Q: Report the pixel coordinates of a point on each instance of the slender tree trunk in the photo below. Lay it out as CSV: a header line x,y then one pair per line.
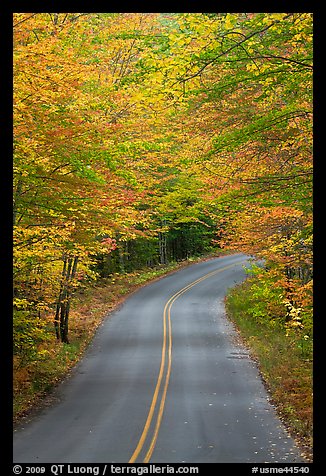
x,y
58,306
65,317
63,305
61,321
162,246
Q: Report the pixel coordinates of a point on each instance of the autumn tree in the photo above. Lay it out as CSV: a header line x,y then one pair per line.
x,y
239,90
139,131
73,188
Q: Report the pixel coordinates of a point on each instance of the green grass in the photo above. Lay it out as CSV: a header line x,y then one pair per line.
x,y
284,360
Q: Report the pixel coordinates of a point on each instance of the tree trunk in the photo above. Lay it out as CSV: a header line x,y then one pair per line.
x,y
61,321
162,248
58,305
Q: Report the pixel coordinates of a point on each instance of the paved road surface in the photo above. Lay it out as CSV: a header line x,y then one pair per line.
x,y
164,381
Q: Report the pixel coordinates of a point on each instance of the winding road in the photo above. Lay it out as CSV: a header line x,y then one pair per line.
x,y
165,380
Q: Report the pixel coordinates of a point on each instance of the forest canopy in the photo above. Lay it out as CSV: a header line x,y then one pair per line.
x,y
144,138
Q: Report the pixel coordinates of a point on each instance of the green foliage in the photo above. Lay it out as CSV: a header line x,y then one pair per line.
x,y
28,333
264,301
268,304
284,355
257,128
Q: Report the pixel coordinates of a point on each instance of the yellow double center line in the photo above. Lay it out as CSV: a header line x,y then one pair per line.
x,y
166,362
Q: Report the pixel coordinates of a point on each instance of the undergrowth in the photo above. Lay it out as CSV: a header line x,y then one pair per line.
x,y
283,353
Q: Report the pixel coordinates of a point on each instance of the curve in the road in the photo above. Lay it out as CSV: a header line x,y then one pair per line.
x,y
128,401
166,361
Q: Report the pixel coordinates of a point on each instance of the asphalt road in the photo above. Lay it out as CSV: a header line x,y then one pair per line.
x,y
165,380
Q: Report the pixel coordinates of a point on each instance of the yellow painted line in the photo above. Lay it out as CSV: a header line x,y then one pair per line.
x,y
166,323
153,404
167,378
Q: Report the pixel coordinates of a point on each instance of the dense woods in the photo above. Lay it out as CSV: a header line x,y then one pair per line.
x,y
146,138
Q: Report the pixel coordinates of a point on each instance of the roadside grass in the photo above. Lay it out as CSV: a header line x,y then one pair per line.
x,y
284,361
33,380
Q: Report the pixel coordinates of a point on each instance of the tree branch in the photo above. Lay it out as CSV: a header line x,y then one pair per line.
x,y
236,45
25,19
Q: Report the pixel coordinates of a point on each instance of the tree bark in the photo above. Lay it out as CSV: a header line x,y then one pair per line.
x,y
162,245
58,305
61,321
